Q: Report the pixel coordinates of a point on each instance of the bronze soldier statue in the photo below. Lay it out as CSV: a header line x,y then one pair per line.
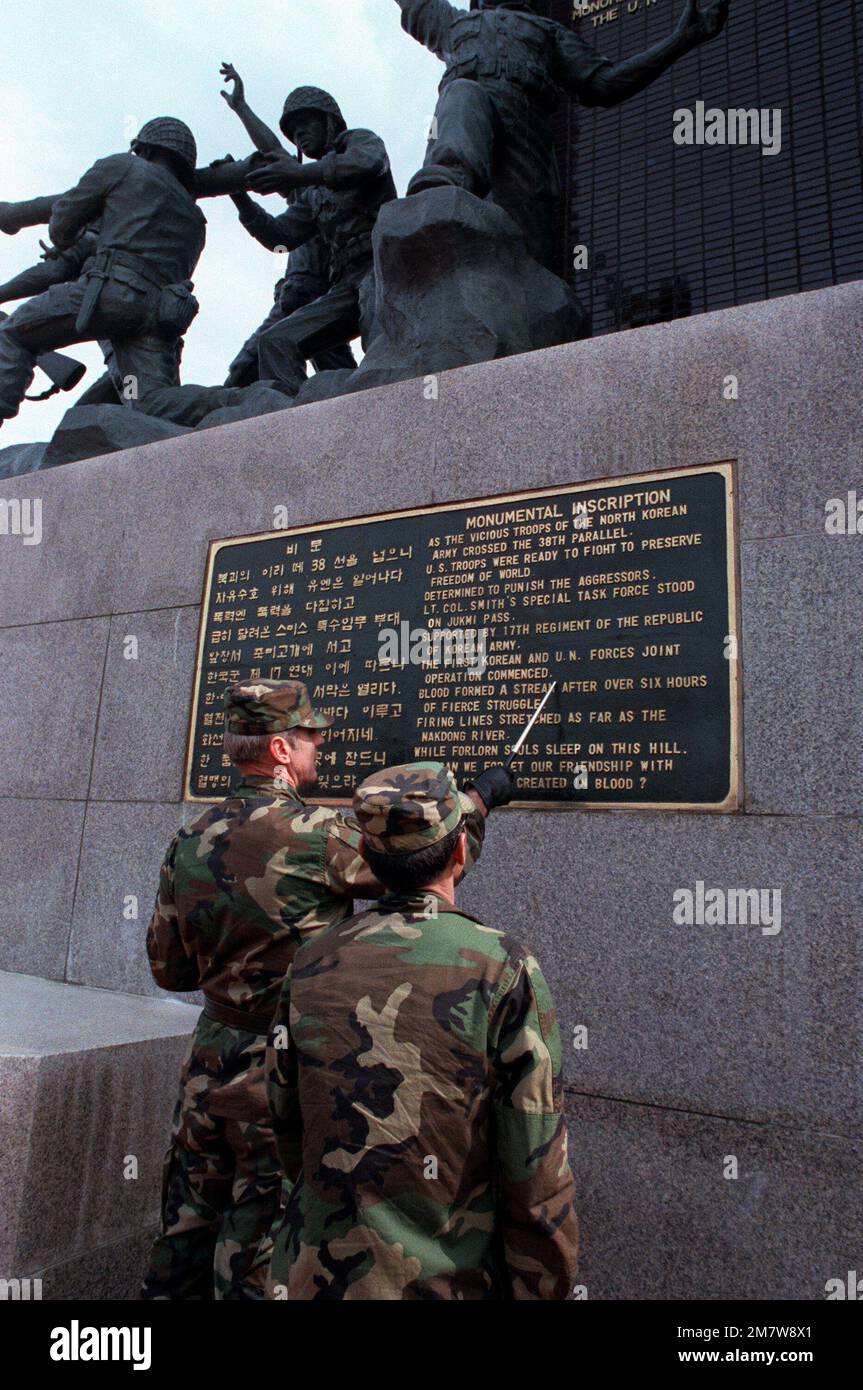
x,y
307,275
135,286
506,70
338,192
134,289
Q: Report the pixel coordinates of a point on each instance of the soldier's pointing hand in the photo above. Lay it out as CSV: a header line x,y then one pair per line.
x,y
699,25
495,785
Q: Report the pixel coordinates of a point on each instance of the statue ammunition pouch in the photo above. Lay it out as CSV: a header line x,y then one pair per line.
x,y
131,300
176,310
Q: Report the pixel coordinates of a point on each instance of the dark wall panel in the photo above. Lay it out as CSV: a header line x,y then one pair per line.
x,y
675,230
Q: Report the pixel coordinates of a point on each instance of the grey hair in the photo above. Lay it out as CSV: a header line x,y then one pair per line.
x,y
253,748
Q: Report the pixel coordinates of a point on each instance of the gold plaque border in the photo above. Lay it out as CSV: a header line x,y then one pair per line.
x,y
727,468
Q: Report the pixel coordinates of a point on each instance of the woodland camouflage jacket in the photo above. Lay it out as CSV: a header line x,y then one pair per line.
x,y
414,1076
251,879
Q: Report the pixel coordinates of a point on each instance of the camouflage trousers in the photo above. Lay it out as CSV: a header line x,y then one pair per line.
x,y
221,1188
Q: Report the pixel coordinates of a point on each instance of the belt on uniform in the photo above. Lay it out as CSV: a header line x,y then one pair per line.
x,y
259,1023
523,75
99,270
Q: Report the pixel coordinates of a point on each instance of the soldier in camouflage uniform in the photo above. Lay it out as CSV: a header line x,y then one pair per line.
x,y
506,70
414,1074
240,889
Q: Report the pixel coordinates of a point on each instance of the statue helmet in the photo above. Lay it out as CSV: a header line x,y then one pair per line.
x,y
311,99
168,133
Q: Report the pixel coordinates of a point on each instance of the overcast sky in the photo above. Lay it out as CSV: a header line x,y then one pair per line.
x,y
80,76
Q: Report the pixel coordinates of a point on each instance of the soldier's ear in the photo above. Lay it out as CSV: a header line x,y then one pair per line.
x,y
280,750
459,853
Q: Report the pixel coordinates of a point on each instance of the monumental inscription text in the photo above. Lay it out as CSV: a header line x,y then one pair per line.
x,y
434,633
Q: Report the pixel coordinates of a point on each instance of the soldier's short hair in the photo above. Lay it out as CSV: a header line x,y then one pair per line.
x,y
254,748
407,873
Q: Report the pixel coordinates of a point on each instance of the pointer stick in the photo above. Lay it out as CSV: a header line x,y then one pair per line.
x,y
523,736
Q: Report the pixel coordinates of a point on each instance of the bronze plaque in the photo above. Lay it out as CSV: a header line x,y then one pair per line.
x,y
435,632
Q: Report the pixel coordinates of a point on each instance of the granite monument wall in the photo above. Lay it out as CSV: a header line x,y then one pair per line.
x,y
704,1042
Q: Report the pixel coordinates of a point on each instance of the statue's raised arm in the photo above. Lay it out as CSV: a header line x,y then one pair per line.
x,y
611,84
429,22
260,134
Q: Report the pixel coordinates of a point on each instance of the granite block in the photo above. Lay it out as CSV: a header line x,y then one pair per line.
x,y
121,854
17,1086
38,863
803,409
332,459
39,1018
659,1220
722,1019
802,664
50,678
143,719
758,1033
653,398
88,1080
108,1273
116,1105
71,574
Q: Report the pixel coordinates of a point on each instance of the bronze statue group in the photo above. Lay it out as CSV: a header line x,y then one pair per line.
x,y
371,1107
125,240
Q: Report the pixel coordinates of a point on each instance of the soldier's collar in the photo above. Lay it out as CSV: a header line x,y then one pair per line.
x,y
423,903
270,787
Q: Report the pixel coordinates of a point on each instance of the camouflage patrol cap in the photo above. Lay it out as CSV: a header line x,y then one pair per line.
x,y
310,99
270,707
404,809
